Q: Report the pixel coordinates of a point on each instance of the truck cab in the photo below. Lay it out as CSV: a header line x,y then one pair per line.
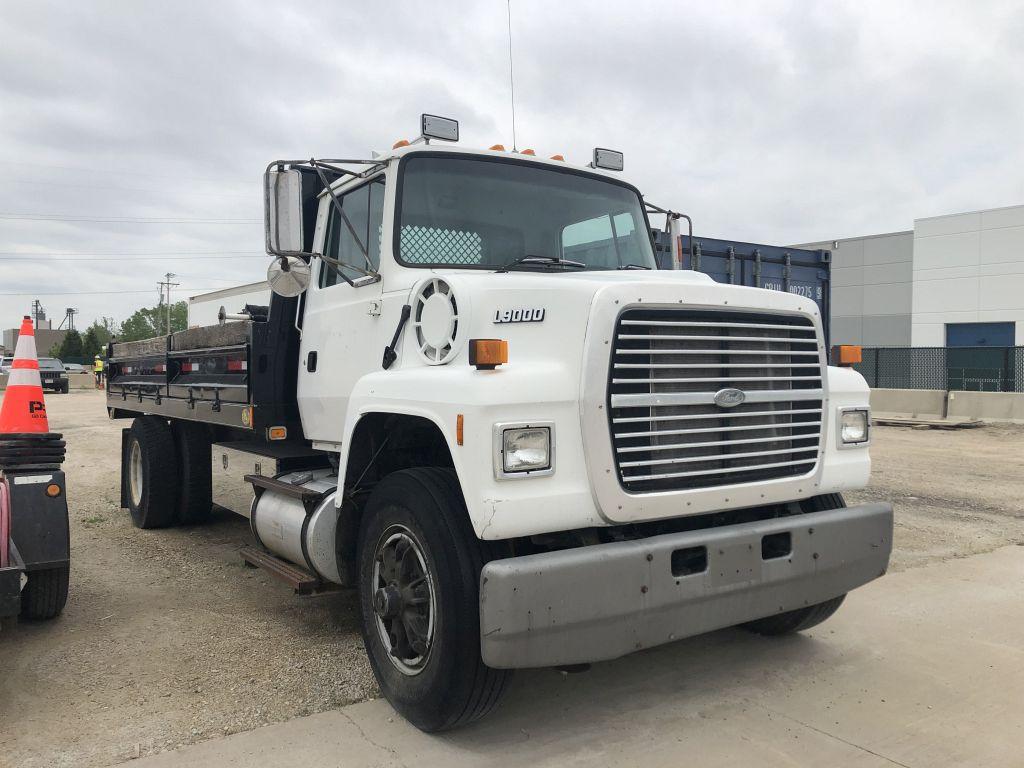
x,y
528,446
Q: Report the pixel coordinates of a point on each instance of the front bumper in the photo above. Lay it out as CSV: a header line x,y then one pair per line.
x,y
603,601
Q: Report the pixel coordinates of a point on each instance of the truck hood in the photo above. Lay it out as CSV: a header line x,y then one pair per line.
x,y
544,315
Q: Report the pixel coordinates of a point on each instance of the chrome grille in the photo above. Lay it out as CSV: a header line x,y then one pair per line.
x,y
666,367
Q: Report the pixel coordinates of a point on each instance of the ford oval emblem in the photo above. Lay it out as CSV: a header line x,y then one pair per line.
x,y
729,397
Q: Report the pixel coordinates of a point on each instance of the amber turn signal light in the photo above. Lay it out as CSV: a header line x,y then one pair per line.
x,y
487,354
277,433
847,354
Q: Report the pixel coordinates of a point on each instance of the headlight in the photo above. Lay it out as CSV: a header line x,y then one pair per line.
x,y
853,426
524,449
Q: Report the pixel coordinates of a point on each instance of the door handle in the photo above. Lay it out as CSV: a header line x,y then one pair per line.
x,y
311,362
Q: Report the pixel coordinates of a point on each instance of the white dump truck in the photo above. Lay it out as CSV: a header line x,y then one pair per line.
x,y
474,400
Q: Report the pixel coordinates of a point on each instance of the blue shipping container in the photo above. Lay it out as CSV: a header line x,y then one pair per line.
x,y
796,270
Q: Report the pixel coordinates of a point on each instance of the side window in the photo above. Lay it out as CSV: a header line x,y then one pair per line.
x,y
354,233
591,242
627,237
604,242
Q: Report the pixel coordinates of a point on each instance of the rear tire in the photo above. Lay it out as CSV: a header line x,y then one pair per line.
x,y
802,618
151,473
192,441
419,575
45,593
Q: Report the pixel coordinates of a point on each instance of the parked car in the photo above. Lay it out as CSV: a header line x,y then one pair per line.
x,y
75,368
5,364
53,375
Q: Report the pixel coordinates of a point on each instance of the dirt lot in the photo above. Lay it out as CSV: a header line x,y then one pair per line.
x,y
167,639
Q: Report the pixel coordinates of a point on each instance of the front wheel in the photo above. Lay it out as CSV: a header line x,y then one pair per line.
x,y
795,621
810,616
419,573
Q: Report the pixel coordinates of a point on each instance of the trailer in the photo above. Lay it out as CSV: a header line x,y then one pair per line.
x,y
34,533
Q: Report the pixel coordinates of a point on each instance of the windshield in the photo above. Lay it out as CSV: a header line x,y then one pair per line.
x,y
50,364
480,213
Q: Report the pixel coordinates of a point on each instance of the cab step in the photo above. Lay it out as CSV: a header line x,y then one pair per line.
x,y
298,578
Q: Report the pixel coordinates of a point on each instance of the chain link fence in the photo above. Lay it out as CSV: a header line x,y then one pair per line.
x,y
972,369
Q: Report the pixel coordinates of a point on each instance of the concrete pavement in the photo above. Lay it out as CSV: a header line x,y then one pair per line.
x,y
920,668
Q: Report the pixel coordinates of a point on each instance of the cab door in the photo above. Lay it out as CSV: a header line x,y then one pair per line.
x,y
340,324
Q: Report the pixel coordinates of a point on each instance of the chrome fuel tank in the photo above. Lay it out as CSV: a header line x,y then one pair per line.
x,y
282,524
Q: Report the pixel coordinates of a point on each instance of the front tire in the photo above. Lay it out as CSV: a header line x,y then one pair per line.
x,y
795,621
810,616
419,574
151,473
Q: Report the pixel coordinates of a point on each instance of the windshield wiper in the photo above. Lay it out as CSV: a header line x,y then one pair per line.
x,y
632,266
544,261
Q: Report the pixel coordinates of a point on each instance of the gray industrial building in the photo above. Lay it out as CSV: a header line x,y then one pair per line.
x,y
46,339
872,288
955,280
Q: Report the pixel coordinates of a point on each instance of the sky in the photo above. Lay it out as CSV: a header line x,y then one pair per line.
x,y
133,136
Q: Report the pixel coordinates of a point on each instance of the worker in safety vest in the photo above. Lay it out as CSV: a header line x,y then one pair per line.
x,y
97,369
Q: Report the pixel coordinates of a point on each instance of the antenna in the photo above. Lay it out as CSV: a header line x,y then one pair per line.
x,y
511,79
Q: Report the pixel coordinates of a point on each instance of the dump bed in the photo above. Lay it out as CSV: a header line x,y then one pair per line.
x,y
239,374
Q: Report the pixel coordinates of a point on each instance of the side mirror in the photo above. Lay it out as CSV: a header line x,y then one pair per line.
x,y
289,208
288,276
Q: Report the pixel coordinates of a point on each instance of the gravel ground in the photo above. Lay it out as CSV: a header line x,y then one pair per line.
x,y
168,640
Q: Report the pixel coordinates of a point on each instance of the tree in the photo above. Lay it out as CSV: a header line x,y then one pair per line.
x,y
91,345
71,346
96,336
152,321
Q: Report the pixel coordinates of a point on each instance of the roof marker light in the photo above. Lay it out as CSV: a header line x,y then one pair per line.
x,y
437,127
608,159
559,158
400,143
498,148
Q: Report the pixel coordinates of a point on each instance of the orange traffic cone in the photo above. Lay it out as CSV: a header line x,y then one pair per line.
x,y
23,409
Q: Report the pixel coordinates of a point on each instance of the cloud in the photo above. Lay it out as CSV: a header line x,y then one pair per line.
x,y
776,122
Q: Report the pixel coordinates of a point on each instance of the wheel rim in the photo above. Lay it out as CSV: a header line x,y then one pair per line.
x,y
404,604
135,474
